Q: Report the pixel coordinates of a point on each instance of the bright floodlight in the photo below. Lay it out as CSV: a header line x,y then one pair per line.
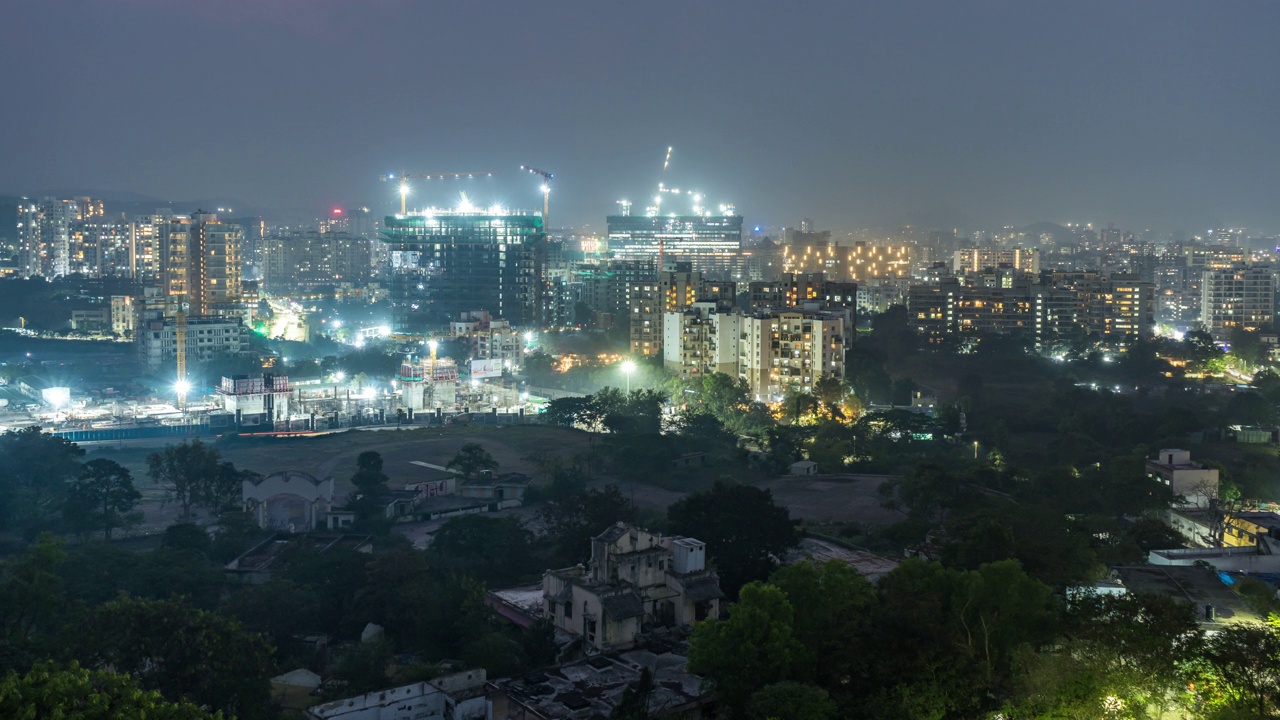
x,y
339,376
433,345
182,387
528,337
404,189
628,367
545,188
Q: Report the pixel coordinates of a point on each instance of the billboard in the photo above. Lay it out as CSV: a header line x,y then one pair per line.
x,y
481,369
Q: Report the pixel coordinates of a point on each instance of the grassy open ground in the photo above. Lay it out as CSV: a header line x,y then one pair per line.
x,y
839,499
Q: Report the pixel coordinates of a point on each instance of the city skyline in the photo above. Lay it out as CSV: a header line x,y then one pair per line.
x,y
1145,115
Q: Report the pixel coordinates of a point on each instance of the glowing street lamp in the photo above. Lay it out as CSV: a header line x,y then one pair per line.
x,y
628,367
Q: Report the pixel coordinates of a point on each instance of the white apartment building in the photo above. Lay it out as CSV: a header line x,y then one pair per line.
x,y
1237,297
701,340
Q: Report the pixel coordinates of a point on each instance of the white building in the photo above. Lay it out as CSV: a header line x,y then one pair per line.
x,y
1237,297
207,337
635,578
701,339
1196,482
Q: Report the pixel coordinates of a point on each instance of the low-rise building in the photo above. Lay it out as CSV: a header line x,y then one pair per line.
x,y
1196,483
635,578
459,696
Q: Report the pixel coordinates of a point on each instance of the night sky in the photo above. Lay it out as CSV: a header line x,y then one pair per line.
x,y
1145,114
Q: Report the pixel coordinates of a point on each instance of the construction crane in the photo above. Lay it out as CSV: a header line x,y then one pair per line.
x,y
180,336
545,188
404,179
539,259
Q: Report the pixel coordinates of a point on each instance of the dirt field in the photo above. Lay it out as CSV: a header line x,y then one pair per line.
x,y
832,498
847,498
336,455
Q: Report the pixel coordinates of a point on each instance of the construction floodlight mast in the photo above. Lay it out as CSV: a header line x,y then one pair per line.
x,y
403,178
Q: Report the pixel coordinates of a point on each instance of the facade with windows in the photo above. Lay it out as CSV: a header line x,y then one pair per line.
x,y
446,263
711,243
790,350
208,337
635,579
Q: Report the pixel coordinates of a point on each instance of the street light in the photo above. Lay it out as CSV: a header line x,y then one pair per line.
x,y
628,367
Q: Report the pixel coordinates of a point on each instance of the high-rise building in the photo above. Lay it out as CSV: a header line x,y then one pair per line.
x,y
789,350
307,259
1237,297
672,291
712,244
45,231
198,258
702,338
448,262
979,259
214,266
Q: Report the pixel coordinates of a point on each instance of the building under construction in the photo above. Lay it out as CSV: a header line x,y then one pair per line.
x,y
712,244
256,399
448,262
428,383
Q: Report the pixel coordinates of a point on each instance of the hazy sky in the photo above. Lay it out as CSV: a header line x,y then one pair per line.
x,y
1161,114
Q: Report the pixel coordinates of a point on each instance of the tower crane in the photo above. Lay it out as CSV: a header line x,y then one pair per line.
x,y
404,179
545,188
180,337
539,258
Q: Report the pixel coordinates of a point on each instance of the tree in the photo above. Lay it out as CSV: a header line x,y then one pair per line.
x,y
1246,657
571,412
957,631
280,609
790,700
36,469
31,593
182,652
834,627
493,550
227,487
370,483
569,524
76,693
101,497
745,532
471,460
754,648
185,471
1142,639
704,431
903,390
